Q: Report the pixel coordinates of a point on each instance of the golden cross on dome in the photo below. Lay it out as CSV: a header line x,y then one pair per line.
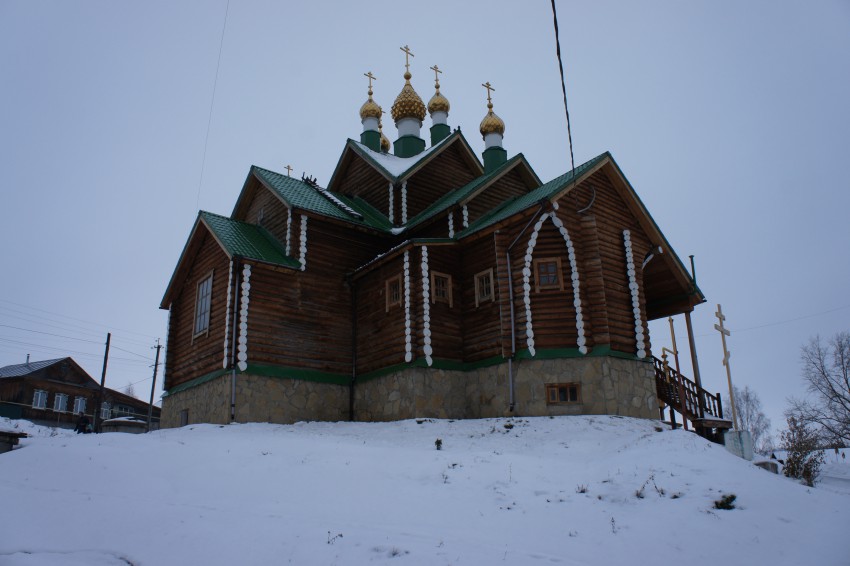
x,y
437,72
371,78
489,88
288,170
407,56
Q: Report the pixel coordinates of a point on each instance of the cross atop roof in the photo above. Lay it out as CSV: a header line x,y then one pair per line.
x,y
407,56
489,88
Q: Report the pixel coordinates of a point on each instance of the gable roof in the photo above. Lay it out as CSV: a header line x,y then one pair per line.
x,y
20,370
458,196
235,238
520,203
398,169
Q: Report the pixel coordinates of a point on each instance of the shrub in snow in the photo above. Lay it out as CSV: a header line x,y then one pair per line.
x,y
804,458
726,502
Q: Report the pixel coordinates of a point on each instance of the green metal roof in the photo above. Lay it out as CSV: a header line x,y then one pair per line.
x,y
247,240
453,197
518,204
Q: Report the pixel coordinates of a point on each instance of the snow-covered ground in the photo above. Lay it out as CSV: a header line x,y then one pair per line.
x,y
567,490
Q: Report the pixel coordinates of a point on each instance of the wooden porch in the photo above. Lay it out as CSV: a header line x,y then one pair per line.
x,y
695,404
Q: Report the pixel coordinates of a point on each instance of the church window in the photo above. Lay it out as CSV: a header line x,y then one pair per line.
x,y
79,405
441,288
484,286
393,292
547,273
563,393
60,403
39,399
202,306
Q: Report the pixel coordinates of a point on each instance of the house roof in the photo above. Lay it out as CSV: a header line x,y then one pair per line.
x,y
520,203
20,370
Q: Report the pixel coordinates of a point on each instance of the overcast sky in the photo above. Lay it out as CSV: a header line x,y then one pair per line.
x,y
730,119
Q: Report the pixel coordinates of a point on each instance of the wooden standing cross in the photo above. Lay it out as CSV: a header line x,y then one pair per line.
x,y
407,56
288,171
489,88
724,332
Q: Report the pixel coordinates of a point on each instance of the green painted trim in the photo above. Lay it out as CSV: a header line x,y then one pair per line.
x,y
371,139
299,373
439,132
195,382
452,365
494,157
408,146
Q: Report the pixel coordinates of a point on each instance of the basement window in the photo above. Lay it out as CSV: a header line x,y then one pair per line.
x,y
184,417
484,286
547,274
441,288
393,292
563,393
202,306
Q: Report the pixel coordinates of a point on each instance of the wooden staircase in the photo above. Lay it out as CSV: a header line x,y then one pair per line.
x,y
692,402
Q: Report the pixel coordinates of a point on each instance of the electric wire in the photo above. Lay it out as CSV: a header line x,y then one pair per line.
x,y
76,319
212,104
563,89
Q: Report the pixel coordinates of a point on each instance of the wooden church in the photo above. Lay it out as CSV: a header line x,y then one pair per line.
x,y
423,282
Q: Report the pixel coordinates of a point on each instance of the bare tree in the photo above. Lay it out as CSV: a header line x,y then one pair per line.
x,y
130,390
826,371
752,418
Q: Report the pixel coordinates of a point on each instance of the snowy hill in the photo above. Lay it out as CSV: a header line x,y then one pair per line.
x,y
569,490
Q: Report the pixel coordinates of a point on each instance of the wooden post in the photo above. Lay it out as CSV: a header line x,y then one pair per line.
x,y
153,385
724,332
695,363
102,382
675,349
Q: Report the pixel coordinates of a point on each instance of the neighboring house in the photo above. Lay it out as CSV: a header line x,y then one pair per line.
x,y
55,392
422,283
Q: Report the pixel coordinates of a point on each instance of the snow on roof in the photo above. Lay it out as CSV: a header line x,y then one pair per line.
x,y
394,165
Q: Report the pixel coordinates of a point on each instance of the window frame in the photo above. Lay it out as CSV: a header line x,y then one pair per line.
x,y
60,402
558,285
207,305
553,393
478,287
105,411
39,399
388,288
77,409
438,299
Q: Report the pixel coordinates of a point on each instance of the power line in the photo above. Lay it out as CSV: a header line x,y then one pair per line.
x,y
563,87
51,334
77,319
779,322
67,351
212,103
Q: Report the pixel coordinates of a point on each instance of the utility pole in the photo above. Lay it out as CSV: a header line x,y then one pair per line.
x,y
153,385
102,382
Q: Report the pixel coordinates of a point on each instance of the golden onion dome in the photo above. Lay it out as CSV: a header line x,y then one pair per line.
x,y
492,124
385,143
438,103
408,104
370,108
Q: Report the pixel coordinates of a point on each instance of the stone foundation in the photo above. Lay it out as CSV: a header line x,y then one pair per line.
x,y
609,386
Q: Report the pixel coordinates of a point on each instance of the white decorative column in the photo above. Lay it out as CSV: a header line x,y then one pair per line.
x,y
426,308
465,217
303,249
404,203
288,231
390,214
635,290
451,225
227,316
408,346
242,348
